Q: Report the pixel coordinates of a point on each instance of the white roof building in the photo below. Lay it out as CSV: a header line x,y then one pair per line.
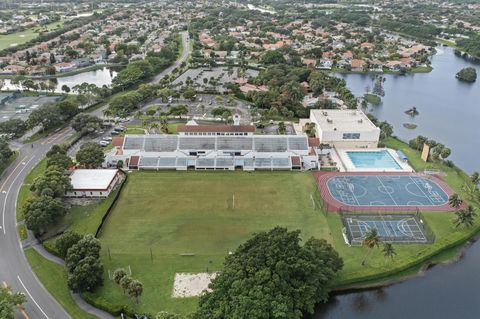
x,y
345,128
93,182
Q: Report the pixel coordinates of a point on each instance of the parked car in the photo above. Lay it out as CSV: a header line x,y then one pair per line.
x,y
103,143
107,138
114,132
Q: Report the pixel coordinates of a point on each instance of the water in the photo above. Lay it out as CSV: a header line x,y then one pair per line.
x,y
98,77
445,291
450,113
373,159
449,110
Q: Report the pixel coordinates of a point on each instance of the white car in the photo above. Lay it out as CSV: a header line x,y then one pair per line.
x,y
107,138
103,143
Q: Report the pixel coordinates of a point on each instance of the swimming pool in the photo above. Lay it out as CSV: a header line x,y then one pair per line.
x,y
380,159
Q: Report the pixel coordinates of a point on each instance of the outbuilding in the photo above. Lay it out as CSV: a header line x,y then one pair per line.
x,y
93,182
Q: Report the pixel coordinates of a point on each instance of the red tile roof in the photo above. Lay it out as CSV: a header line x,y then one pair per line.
x,y
215,128
117,141
134,160
313,142
296,161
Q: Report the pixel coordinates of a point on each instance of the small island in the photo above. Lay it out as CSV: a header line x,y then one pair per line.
x,y
467,74
412,111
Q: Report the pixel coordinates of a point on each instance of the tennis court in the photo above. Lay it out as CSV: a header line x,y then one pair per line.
x,y
399,229
383,192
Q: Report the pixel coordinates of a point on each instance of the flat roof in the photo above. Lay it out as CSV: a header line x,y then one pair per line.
x,y
92,179
343,120
216,128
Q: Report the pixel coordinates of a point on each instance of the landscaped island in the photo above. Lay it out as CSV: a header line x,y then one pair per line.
x,y
467,74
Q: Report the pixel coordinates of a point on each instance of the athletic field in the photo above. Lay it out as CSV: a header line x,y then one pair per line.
x,y
170,222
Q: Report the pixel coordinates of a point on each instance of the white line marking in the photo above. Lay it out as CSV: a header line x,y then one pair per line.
x,y
8,191
31,297
385,187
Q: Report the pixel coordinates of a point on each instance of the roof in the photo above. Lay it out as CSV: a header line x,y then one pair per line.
x,y
134,160
296,161
92,179
216,128
117,141
313,142
343,120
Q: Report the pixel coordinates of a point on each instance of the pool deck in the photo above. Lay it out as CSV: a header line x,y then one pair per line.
x,y
331,204
344,163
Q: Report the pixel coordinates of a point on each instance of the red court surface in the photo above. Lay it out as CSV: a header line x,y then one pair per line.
x,y
382,192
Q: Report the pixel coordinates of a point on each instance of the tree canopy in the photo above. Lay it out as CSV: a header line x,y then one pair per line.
x,y
90,155
272,276
9,301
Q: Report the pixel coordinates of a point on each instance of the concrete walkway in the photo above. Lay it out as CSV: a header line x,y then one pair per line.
x,y
85,306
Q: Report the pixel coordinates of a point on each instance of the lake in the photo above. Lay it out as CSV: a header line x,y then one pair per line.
x,y
449,110
98,77
449,113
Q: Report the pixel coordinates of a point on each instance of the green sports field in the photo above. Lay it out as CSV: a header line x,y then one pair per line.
x,y
205,214
21,37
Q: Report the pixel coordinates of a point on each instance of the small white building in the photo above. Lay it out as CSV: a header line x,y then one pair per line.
x,y
345,128
93,182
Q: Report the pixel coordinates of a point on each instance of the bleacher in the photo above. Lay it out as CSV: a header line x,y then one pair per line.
x,y
270,144
196,143
161,143
234,143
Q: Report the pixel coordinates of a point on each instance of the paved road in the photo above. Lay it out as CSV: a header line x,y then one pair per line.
x,y
14,268
183,58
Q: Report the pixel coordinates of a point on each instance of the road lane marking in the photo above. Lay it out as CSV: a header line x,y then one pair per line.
x,y
19,306
8,177
31,297
6,196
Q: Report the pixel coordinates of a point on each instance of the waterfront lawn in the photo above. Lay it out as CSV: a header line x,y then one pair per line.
x,y
54,278
174,213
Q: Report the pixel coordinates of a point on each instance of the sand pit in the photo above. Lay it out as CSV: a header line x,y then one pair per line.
x,y
191,285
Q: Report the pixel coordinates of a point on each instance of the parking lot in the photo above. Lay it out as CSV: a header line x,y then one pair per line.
x,y
202,107
202,78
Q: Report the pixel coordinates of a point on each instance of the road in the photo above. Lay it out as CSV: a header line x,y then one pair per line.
x,y
14,268
183,58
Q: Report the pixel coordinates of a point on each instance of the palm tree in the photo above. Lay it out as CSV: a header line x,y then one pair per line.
x,y
370,241
388,251
470,189
154,127
465,217
455,201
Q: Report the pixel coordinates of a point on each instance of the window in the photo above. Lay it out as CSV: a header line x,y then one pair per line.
x,y
351,136
100,193
91,193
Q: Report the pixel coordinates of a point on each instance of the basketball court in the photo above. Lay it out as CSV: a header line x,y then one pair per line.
x,y
393,228
382,192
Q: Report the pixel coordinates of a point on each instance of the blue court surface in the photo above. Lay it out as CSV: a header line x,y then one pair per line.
x,y
390,228
386,190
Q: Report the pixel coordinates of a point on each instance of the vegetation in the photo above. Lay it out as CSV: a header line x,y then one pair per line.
x,y
9,301
54,278
467,74
373,99
90,155
288,279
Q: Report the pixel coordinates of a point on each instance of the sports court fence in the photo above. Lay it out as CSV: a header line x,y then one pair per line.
x,y
429,235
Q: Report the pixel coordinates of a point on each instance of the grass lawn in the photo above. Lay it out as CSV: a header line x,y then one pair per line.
x,y
193,212
24,192
54,278
8,40
373,99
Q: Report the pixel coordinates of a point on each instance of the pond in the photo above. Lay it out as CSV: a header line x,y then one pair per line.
x,y
98,77
449,110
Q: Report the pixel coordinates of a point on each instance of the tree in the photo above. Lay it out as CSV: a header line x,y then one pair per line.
x,y
5,152
388,251
465,217
17,127
475,178
125,283
281,128
272,276
273,57
65,241
370,241
455,201
85,123
9,301
467,74
41,212
189,94
52,183
87,275
118,274
61,161
90,155
88,246
135,289
57,149
65,88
